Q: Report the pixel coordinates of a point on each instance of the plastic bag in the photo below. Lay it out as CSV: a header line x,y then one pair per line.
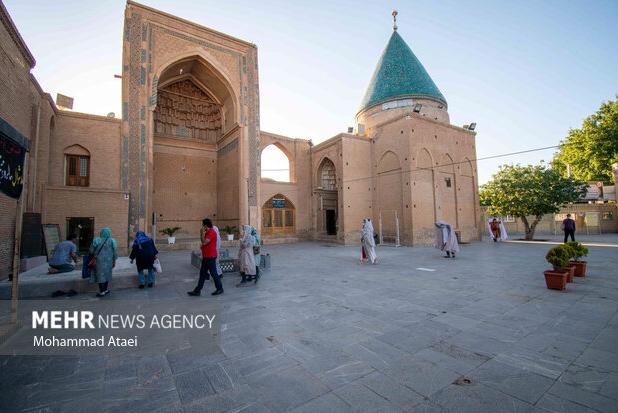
x,y
157,266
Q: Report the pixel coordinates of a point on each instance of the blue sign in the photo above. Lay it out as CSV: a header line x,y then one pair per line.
x,y
278,203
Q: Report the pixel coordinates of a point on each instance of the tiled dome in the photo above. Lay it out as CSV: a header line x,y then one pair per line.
x,y
399,74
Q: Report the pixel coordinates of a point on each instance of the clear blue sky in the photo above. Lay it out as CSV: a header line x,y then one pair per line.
x,y
525,71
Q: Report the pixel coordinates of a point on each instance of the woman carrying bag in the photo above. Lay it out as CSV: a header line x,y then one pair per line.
x,y
104,254
145,254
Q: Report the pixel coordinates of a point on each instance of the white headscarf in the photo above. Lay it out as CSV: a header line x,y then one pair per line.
x,y
247,238
218,238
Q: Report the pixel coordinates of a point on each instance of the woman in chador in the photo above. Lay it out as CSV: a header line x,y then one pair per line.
x,y
144,253
446,240
368,243
246,256
105,251
256,252
497,232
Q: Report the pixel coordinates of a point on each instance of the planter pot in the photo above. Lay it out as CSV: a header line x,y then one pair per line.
x,y
580,268
570,272
230,237
171,240
556,280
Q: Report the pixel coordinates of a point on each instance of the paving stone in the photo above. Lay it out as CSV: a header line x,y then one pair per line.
x,y
589,379
512,380
242,398
421,376
554,404
592,400
451,357
287,389
392,391
326,403
364,400
606,341
602,360
477,398
193,385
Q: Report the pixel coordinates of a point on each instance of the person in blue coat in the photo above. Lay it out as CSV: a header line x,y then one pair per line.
x,y
144,253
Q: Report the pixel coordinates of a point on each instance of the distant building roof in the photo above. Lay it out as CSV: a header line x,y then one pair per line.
x,y
399,74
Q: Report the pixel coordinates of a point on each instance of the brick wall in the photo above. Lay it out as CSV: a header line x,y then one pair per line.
x,y
99,135
109,208
16,102
185,188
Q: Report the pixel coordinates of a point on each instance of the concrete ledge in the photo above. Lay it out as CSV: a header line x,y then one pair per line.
x,y
37,283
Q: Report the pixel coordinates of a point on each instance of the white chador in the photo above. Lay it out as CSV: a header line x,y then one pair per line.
x,y
496,230
446,239
368,244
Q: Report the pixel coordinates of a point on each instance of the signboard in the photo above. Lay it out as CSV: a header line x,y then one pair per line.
x,y
592,219
51,234
12,158
64,101
278,203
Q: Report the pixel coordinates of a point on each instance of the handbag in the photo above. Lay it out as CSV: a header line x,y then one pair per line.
x,y
92,260
256,249
85,268
156,264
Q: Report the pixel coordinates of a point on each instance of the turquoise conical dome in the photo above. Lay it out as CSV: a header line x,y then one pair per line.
x,y
399,74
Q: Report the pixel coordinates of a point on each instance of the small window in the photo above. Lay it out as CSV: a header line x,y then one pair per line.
x,y
448,182
78,170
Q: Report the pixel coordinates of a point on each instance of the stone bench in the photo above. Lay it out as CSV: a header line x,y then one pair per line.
x,y
227,263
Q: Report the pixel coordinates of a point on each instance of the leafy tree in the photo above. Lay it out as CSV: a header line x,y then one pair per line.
x,y
529,191
593,149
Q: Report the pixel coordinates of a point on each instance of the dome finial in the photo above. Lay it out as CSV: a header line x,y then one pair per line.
x,y
395,20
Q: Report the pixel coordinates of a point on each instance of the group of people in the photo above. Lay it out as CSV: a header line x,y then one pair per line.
x,y
446,241
103,254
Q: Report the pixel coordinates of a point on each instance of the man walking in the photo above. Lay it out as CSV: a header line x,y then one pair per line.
x,y
209,260
568,226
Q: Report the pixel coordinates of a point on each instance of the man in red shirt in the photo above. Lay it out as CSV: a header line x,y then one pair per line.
x,y
209,260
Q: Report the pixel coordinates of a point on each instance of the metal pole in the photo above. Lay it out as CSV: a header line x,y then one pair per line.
x,y
17,241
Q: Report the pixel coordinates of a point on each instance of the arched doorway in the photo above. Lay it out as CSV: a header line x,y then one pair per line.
x,y
278,216
328,197
275,164
194,110
390,198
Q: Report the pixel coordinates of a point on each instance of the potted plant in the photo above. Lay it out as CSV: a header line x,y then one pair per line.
x,y
170,231
579,251
229,230
558,257
570,267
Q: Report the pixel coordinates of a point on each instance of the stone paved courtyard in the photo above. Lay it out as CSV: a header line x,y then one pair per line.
x,y
321,333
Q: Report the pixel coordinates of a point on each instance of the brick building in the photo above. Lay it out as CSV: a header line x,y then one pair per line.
x,y
189,144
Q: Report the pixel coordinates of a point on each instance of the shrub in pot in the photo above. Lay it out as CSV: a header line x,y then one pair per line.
x,y
230,230
570,266
558,257
580,251
170,232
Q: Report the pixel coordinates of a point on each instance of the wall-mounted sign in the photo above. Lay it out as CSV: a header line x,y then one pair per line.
x,y
278,203
12,158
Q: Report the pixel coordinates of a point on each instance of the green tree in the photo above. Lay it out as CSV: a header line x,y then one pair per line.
x,y
529,191
593,149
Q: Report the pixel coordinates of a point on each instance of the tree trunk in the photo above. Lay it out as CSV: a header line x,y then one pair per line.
x,y
530,228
